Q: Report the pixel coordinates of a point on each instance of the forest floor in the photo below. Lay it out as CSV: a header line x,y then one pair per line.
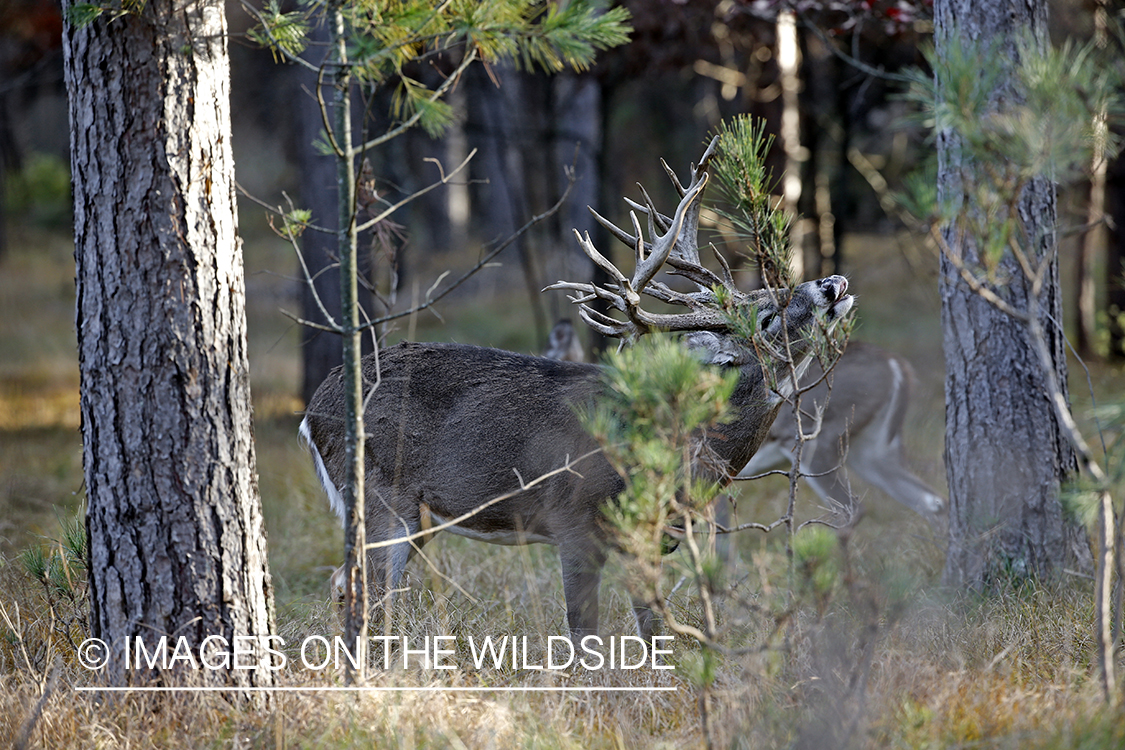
x,y
889,659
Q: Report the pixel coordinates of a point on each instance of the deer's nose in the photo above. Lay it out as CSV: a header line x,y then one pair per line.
x,y
833,287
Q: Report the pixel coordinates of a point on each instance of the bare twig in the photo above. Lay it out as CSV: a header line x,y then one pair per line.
x,y
432,299
567,467
438,93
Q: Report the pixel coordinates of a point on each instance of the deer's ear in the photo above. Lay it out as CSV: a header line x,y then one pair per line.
x,y
714,349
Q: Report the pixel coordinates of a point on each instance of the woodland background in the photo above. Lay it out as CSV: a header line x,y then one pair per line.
x,y
986,673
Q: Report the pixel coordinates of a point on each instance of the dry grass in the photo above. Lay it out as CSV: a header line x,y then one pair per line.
x,y
1007,672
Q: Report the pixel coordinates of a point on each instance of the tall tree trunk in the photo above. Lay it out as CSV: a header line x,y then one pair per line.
x,y
320,351
499,125
177,542
788,68
1115,256
1005,457
577,124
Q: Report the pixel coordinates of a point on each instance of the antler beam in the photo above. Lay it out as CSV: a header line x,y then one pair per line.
x,y
675,244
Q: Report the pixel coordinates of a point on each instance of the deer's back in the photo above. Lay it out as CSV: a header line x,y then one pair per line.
x,y
457,425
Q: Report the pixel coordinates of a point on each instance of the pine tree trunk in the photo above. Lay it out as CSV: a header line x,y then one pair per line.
x,y
320,350
576,125
176,537
1005,457
500,124
1115,256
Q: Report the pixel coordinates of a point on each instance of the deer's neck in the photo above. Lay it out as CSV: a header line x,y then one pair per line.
x,y
753,408
755,405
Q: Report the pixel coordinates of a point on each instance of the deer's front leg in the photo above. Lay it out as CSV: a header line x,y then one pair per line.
x,y
582,573
648,622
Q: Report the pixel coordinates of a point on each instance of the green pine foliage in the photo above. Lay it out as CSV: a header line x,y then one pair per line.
x,y
659,396
749,190
287,31
386,40
1046,123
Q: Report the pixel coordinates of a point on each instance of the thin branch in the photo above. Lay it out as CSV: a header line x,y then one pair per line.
x,y
310,324
324,118
771,472
445,178
974,284
276,210
433,300
439,92
849,59
310,280
567,467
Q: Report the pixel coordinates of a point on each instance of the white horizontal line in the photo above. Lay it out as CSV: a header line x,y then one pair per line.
x,y
360,689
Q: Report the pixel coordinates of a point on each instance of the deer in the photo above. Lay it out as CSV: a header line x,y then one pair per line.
x,y
489,443
861,406
563,343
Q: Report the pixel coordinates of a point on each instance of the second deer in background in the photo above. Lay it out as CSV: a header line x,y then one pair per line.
x,y
861,429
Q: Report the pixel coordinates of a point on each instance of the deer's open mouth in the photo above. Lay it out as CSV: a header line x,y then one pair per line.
x,y
841,307
835,290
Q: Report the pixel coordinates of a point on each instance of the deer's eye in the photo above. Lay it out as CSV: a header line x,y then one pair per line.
x,y
767,321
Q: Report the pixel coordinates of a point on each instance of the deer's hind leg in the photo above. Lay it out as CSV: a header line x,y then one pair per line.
x,y
389,516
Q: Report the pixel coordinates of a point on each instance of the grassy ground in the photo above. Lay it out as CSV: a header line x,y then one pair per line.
x,y
883,660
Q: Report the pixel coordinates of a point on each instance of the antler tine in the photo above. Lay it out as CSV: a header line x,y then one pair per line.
x,y
701,276
613,229
639,322
663,245
588,292
673,240
675,179
665,220
593,254
613,329
639,246
696,169
658,223
664,293
705,160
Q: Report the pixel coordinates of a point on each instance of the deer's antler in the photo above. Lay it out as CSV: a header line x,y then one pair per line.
x,y
675,243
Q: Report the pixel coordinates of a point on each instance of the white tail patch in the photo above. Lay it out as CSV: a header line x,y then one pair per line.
x,y
935,502
335,499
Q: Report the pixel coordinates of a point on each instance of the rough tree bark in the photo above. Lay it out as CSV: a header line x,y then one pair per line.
x,y
1004,454
177,543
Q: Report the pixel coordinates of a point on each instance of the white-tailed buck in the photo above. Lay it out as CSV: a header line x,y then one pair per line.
x,y
860,430
451,427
